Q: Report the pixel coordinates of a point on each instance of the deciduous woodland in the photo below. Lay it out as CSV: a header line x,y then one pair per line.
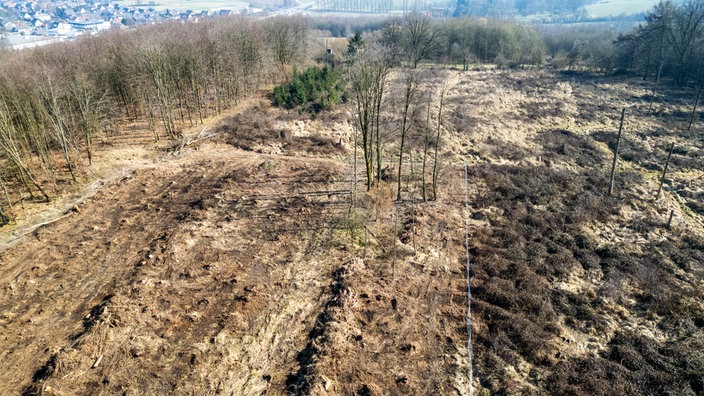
x,y
282,211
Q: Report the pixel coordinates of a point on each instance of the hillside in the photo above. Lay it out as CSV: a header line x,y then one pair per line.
x,y
235,265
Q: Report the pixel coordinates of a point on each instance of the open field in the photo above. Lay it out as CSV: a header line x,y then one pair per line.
x,y
235,264
195,5
617,7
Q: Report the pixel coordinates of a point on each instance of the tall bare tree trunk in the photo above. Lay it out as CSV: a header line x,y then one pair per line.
x,y
426,144
406,123
436,163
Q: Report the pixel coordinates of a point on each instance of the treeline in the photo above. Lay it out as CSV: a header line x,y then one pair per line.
x,y
669,43
461,40
503,8
398,115
466,41
57,99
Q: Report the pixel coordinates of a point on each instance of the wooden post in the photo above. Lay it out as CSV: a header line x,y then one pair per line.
x,y
655,90
354,170
618,143
694,109
664,171
669,221
469,288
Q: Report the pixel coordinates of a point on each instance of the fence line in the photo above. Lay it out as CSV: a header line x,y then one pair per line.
x,y
469,289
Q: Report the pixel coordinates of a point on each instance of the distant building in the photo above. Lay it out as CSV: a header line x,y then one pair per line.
x,y
61,28
90,26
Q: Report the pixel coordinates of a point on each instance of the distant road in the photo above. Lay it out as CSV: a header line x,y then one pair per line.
x,y
299,9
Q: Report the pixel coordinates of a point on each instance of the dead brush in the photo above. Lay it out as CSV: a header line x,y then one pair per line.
x,y
380,200
191,140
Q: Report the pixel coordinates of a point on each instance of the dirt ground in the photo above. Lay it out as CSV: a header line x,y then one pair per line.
x,y
236,266
212,271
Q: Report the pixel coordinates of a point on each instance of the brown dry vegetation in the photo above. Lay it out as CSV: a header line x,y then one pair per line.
x,y
577,292
239,268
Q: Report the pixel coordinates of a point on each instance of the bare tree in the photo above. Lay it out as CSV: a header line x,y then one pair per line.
x,y
286,38
426,146
155,66
90,107
418,40
10,144
683,38
407,115
436,160
56,114
367,73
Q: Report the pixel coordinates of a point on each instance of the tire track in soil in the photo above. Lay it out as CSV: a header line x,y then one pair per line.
x,y
301,382
97,273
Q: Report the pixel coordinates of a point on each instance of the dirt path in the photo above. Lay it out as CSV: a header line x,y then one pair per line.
x,y
53,211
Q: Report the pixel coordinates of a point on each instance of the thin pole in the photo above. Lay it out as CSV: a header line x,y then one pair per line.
x,y
413,211
664,171
694,109
469,289
618,143
669,220
354,176
655,90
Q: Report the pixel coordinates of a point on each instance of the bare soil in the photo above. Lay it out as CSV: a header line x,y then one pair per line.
x,y
235,265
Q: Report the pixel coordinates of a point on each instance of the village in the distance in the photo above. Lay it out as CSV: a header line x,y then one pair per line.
x,y
33,23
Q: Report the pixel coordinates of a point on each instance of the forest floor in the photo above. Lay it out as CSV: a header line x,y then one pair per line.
x,y
235,264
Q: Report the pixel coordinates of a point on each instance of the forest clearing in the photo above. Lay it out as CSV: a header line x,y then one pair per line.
x,y
249,276
197,213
